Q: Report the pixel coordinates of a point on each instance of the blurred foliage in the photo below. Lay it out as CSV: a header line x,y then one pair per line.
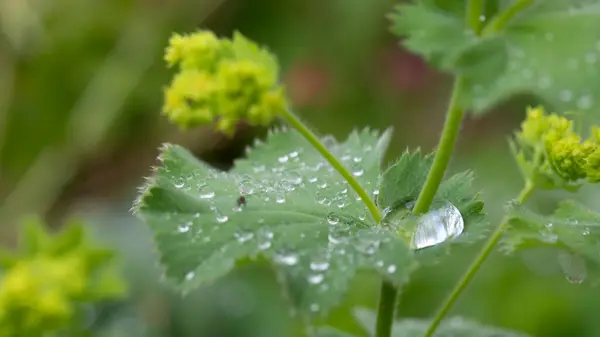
x,y
81,88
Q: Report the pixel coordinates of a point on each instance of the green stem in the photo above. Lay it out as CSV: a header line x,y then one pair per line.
x,y
474,13
443,153
498,23
316,143
474,268
454,115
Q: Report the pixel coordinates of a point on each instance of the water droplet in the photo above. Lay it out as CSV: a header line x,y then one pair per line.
x,y
293,154
189,276
357,159
573,266
358,173
179,184
283,159
391,269
362,217
287,259
319,265
379,263
565,95
314,307
184,228
280,199
222,218
586,232
323,185
264,245
316,278
438,225
376,192
207,195
312,179
482,18
584,102
243,237
346,157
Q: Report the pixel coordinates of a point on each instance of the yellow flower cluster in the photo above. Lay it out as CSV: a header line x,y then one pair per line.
x,y
221,80
40,287
558,148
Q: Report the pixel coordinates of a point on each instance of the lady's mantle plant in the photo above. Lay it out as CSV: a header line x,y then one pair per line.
x,y
45,286
320,210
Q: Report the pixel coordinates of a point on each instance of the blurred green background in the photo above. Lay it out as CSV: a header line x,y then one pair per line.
x,y
80,97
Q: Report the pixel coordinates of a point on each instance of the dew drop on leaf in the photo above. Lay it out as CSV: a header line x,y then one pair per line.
x,y
316,278
319,265
314,307
280,198
573,266
358,173
437,226
283,159
243,237
207,195
189,276
391,269
222,218
184,228
332,219
289,259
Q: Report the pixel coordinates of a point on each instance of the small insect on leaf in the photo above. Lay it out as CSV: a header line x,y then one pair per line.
x,y
241,201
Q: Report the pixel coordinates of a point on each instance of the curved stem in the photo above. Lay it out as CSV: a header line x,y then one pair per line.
x,y
474,268
443,153
316,143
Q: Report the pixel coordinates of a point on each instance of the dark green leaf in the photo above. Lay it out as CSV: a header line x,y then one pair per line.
x,y
297,212
551,49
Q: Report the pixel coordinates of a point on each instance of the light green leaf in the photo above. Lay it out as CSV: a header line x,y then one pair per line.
x,y
573,230
451,327
551,49
298,213
399,186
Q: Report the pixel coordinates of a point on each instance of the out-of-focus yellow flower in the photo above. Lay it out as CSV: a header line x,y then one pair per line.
x,y
549,148
40,290
222,81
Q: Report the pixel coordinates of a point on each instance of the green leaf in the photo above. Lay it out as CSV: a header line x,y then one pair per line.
x,y
451,327
573,230
550,49
400,185
297,212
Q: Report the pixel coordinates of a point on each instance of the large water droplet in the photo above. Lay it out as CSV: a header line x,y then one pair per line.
x,y
179,184
222,218
316,278
289,259
283,159
437,226
391,269
573,266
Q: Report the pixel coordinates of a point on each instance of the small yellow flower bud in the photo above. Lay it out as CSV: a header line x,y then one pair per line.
x,y
221,81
